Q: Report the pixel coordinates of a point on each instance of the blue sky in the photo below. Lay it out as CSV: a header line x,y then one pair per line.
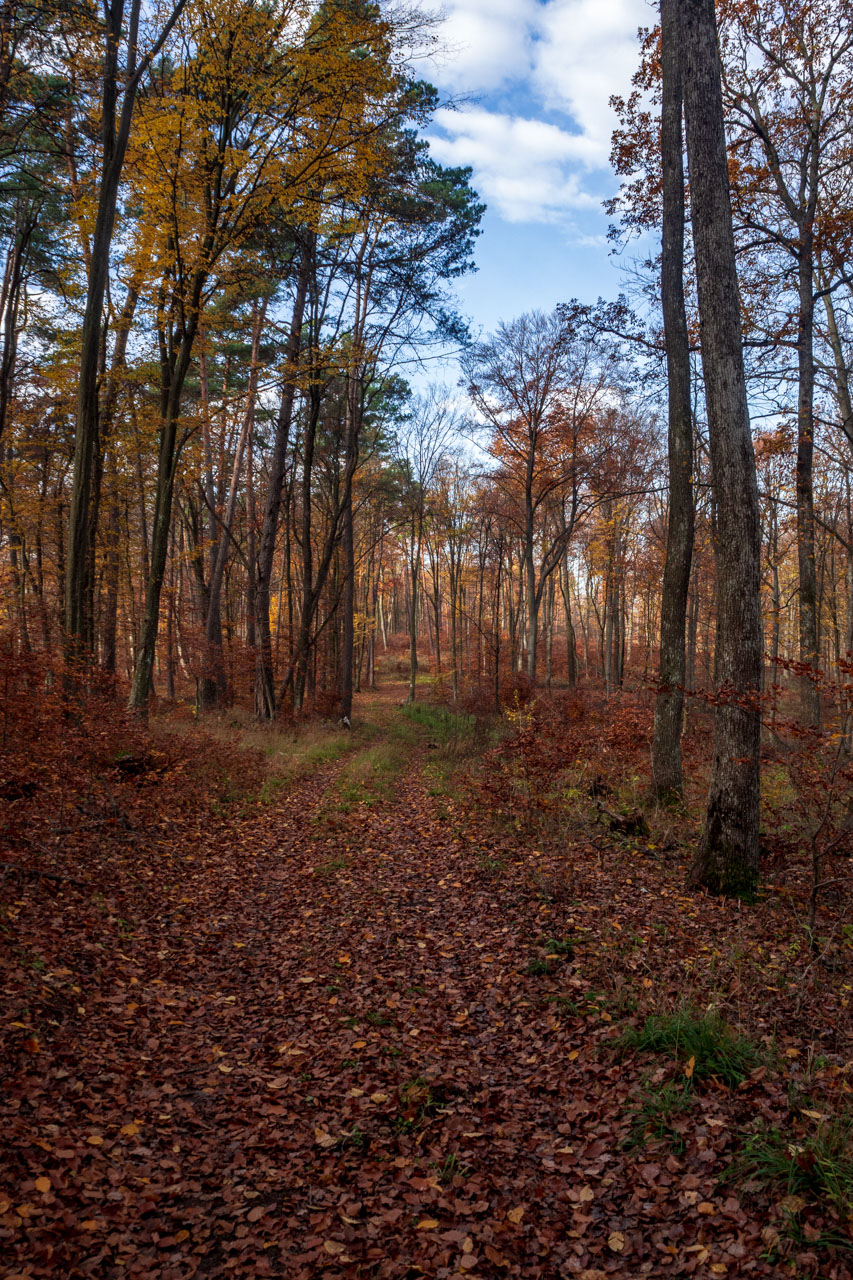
x,y
532,79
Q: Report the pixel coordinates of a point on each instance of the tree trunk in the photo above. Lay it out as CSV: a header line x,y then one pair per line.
x,y
809,638
728,856
169,454
415,570
530,585
213,685
264,680
669,707
115,134
348,541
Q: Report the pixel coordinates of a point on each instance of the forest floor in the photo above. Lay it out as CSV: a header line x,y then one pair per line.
x,y
302,1007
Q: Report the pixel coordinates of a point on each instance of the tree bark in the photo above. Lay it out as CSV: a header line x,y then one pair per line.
x,y
669,707
728,856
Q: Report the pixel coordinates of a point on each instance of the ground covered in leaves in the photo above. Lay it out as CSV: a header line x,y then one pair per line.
x,y
312,1009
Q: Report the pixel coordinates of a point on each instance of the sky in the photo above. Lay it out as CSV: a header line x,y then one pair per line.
x,y
530,81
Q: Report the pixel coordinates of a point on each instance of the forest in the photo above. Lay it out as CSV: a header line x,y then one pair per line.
x,y
426,748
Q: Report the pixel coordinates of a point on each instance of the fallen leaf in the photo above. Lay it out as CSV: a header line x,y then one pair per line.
x,y
43,1184
515,1215
616,1241
427,1224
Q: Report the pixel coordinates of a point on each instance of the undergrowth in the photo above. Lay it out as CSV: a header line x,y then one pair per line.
x,y
704,1041
817,1165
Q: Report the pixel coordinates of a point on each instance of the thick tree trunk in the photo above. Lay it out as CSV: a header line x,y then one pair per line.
x,y
669,707
728,856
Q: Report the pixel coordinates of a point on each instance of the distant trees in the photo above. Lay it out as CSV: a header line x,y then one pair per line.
x,y
539,384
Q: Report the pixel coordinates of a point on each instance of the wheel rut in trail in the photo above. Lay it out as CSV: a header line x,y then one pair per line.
x,y
340,1062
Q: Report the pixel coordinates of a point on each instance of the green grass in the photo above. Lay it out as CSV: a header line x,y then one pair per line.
x,y
817,1166
718,1052
451,1167
657,1112
443,725
330,867
559,946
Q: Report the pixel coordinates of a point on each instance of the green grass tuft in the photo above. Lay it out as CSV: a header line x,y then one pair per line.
x,y
819,1166
657,1112
718,1051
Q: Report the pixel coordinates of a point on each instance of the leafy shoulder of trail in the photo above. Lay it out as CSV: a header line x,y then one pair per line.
x,y
426,998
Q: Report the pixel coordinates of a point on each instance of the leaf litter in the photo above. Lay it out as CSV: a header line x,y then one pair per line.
x,y
221,1058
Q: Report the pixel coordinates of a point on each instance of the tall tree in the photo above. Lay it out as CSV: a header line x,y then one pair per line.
x,y
727,858
788,77
123,70
669,707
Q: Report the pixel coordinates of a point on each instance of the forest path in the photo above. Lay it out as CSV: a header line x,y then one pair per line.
x,y
342,1052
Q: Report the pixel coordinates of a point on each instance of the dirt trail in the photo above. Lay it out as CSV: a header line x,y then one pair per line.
x,y
343,1054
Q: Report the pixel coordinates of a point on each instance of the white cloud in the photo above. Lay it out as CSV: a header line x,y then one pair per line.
x,y
528,169
586,51
567,57
486,43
